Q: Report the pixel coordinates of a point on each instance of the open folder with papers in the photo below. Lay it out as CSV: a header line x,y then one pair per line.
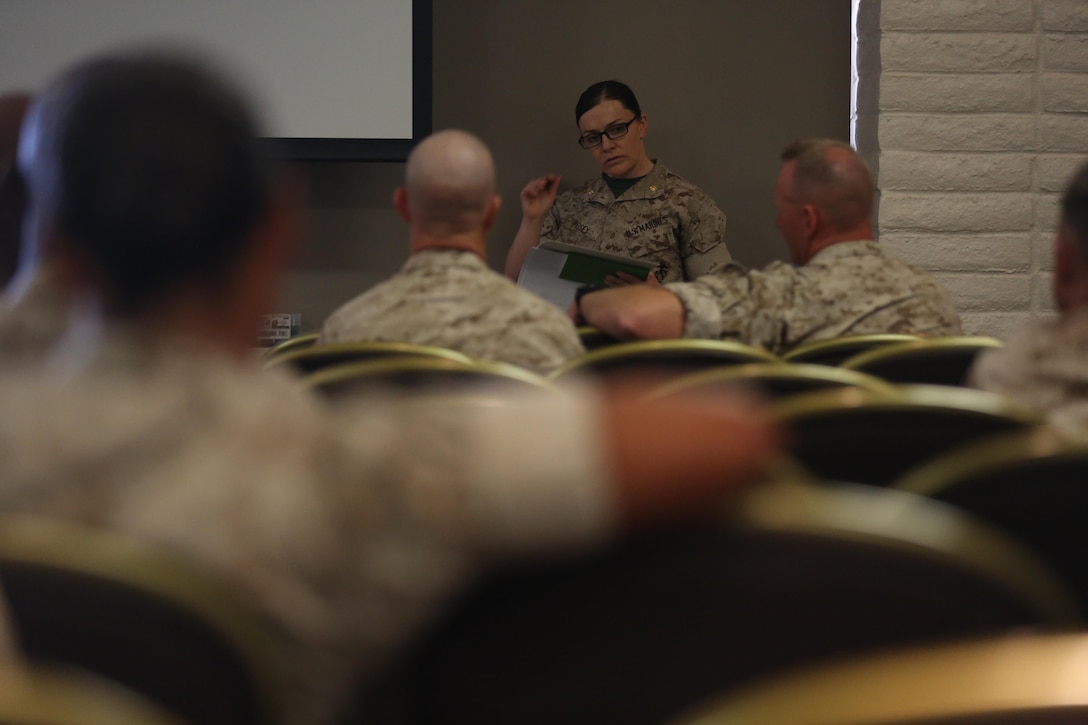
x,y
555,270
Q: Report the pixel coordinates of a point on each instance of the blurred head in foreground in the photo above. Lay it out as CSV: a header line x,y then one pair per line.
x,y
147,180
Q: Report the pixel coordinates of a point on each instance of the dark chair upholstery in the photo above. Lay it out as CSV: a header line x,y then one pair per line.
x,y
1032,485
673,357
422,375
937,361
114,607
662,621
318,357
838,349
773,380
592,338
873,438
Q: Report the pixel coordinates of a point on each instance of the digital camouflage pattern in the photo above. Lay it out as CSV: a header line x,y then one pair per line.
x,y
349,529
663,218
1044,366
452,299
850,288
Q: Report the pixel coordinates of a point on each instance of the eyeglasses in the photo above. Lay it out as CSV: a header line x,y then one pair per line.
x,y
615,131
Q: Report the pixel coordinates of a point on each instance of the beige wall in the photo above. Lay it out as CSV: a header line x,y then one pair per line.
x,y
975,113
725,84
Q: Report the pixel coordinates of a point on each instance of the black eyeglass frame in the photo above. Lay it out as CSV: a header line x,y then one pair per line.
x,y
626,126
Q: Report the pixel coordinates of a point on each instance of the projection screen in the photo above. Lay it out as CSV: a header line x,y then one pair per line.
x,y
334,79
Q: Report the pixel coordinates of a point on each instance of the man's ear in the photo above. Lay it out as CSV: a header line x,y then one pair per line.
x,y
491,212
811,219
400,200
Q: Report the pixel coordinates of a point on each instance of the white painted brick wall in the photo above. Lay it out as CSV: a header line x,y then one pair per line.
x,y
974,114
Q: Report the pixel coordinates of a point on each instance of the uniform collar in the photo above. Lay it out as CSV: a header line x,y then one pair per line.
x,y
451,257
650,186
842,250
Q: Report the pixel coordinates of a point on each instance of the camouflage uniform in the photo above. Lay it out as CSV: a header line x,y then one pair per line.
x,y
349,529
662,219
452,299
1044,366
850,288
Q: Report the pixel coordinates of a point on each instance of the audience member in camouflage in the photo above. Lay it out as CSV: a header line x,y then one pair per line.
x,y
636,208
348,530
851,288
1045,364
445,294
840,283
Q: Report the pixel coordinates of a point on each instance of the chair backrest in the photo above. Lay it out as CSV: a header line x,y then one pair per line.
x,y
592,338
122,610
317,357
663,356
422,375
1007,680
774,380
838,349
936,361
1033,485
51,696
298,342
660,622
873,438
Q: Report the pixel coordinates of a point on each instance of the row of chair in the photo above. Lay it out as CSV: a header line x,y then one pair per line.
x,y
894,358
942,361
791,576
798,571
844,425
88,600
794,574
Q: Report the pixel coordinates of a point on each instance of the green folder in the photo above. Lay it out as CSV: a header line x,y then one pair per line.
x,y
589,265
585,269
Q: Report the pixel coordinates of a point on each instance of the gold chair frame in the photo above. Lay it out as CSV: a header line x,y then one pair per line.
x,y
843,347
721,352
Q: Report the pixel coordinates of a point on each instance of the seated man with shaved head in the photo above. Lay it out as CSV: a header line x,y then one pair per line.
x,y
840,282
445,294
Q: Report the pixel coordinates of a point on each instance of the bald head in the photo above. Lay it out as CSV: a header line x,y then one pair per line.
x,y
450,184
831,175
13,108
